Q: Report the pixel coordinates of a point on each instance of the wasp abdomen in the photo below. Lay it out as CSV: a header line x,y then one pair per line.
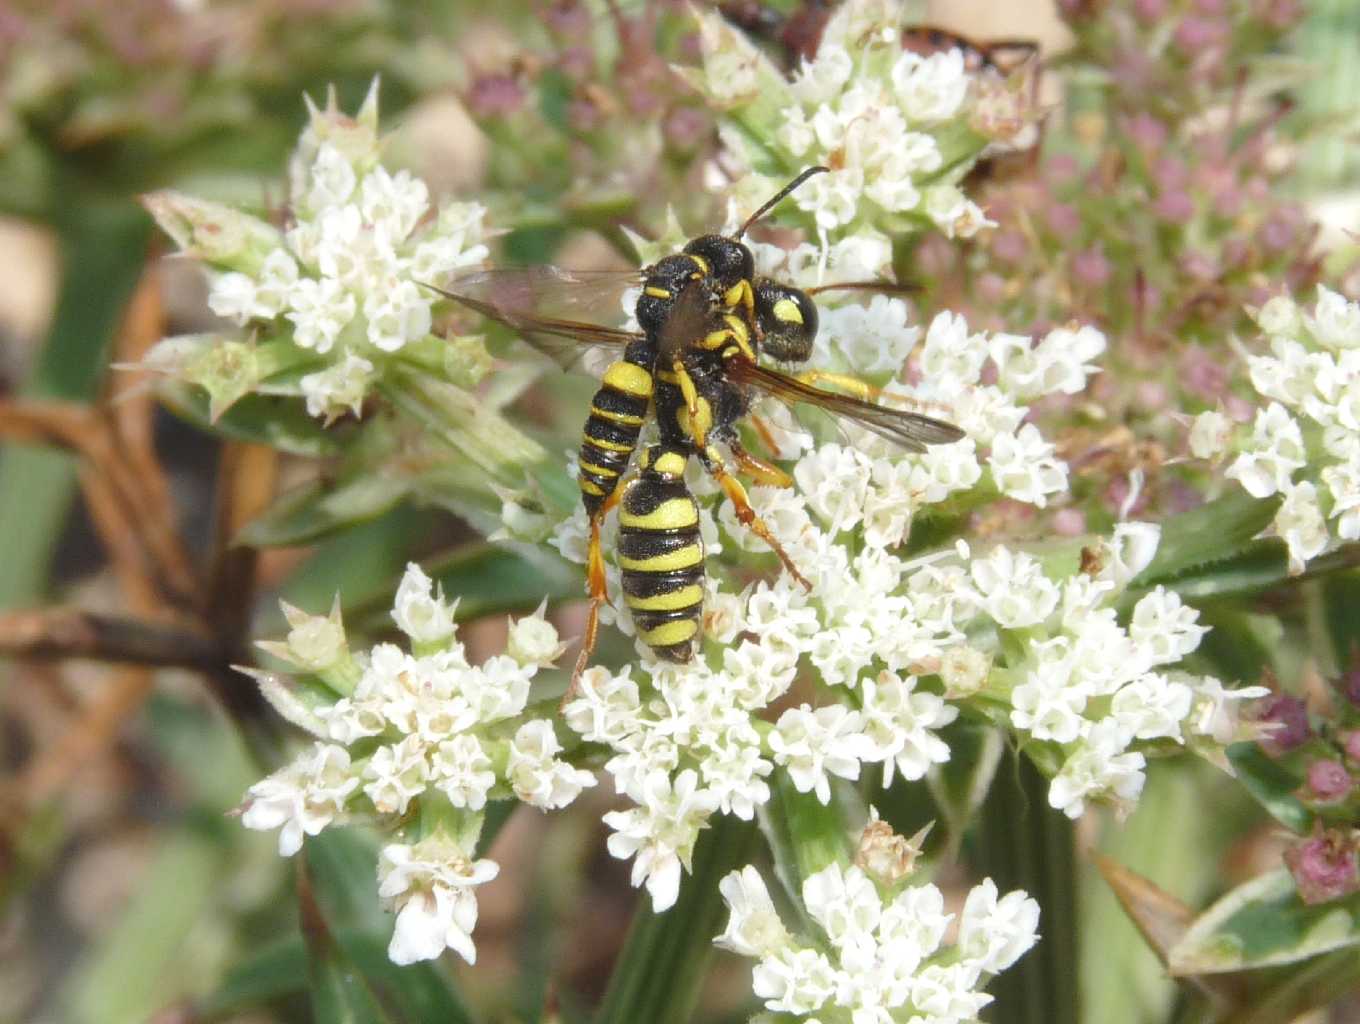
x,y
662,556
611,432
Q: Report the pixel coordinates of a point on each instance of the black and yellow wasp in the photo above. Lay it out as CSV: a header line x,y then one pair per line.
x,y
693,365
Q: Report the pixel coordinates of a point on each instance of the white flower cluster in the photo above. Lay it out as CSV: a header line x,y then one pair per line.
x,y
1310,427
345,277
876,960
893,126
911,640
407,727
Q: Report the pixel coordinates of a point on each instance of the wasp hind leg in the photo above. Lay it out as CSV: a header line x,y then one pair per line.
x,y
760,471
741,504
852,385
596,587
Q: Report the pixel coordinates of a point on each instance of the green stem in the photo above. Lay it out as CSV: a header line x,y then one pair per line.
x,y
1022,843
102,249
660,972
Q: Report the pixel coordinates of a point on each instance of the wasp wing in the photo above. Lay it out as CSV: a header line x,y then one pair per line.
x,y
553,309
911,430
689,320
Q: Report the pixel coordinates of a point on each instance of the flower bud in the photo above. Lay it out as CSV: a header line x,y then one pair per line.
x,y
1289,716
315,642
1209,435
1325,867
1328,782
1279,317
963,670
533,640
213,232
886,856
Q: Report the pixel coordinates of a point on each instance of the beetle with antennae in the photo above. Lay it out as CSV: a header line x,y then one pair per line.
x,y
693,365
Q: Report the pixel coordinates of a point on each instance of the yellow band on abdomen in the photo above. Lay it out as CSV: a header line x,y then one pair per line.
x,y
681,558
630,379
675,514
669,633
686,596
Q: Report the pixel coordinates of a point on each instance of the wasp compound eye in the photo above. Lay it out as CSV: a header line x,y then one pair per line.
x,y
728,260
787,319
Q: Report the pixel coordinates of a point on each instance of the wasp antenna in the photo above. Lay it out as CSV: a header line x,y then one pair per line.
x,y
778,196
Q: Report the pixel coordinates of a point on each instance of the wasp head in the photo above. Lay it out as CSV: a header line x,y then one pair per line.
x,y
787,319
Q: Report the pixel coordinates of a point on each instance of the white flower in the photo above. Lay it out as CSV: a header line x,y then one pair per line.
x,y
1216,713
420,611
1129,550
833,480
606,707
791,980
734,772
993,933
1013,589
844,902
952,357
1164,627
232,296
395,202
1335,323
1024,466
660,832
1050,702
1152,707
1272,455
536,774
397,774
339,388
874,338
278,276
331,181
302,798
1098,767
1209,435
753,926
930,88
1299,521
460,768
320,310
429,885
899,721
946,993
812,744
1343,480
397,316
1279,317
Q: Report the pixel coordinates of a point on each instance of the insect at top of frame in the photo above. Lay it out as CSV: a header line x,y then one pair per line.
x,y
711,280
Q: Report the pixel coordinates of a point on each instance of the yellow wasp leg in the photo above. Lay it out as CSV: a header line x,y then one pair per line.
x,y
700,417
736,494
763,432
859,388
598,589
759,470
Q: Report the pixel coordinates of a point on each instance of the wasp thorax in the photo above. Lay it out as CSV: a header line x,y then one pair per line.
x,y
787,318
729,261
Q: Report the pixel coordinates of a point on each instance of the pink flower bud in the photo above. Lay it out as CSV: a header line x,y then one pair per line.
x,y
1350,742
1325,867
1290,716
1174,207
1194,35
1063,220
1010,246
1149,11
494,96
1146,131
1069,522
1328,781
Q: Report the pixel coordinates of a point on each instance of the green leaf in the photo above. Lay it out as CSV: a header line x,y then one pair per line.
x,y
1271,785
804,834
960,785
416,993
276,421
339,991
660,970
1341,597
321,508
1264,923
1212,533
1319,983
